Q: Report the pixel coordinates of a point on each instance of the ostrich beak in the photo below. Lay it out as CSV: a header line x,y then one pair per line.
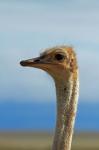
x,y
30,62
34,62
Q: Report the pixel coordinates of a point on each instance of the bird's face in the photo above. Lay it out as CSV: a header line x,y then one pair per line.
x,y
58,62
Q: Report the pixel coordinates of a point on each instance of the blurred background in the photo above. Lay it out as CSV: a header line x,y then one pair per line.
x,y
27,95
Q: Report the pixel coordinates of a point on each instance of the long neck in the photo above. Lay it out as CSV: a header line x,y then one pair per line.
x,y
67,97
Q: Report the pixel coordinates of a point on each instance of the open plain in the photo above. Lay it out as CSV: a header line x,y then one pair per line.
x,y
43,141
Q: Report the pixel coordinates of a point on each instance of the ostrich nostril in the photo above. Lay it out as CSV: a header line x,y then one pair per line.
x,y
36,60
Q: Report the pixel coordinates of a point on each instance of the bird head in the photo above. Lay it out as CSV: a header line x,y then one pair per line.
x,y
59,62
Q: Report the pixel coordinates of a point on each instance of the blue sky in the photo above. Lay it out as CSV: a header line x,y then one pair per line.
x,y
28,27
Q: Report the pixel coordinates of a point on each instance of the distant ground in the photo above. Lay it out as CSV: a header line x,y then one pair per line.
x,y
43,141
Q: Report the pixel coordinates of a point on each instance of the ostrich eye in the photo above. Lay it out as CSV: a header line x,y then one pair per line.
x,y
59,57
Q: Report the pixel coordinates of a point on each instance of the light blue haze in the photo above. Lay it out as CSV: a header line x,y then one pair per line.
x,y
27,27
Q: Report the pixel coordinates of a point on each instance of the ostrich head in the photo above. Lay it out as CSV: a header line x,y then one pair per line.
x,y
59,62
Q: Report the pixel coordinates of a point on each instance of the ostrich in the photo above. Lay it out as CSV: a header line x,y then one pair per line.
x,y
60,62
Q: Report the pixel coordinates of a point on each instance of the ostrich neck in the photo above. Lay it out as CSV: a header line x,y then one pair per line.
x,y
67,97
